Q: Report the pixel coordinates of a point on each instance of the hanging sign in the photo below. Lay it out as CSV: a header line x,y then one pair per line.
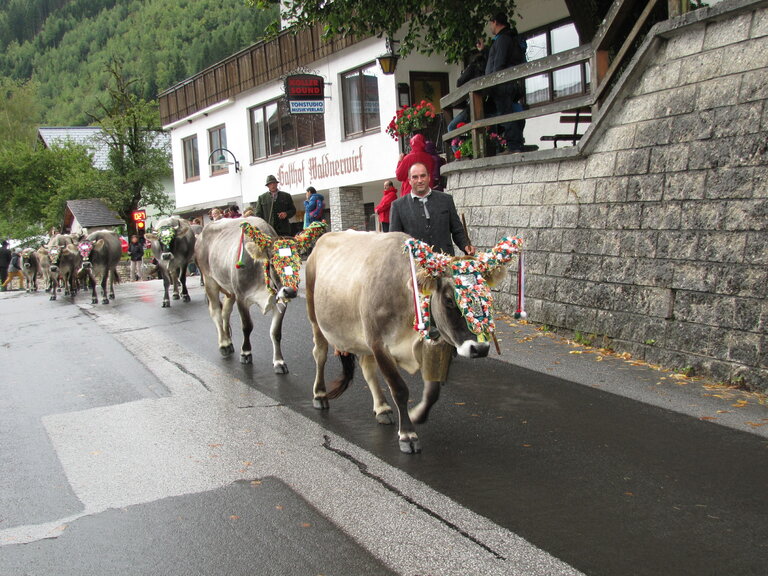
x,y
305,94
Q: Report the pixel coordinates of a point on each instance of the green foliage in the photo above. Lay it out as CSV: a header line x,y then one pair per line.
x,y
18,112
449,28
66,45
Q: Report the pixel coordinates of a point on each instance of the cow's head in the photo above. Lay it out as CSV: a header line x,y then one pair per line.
x,y
165,236
53,253
456,296
28,258
84,247
281,257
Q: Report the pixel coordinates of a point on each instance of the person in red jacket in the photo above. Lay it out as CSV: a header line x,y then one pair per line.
x,y
382,208
418,154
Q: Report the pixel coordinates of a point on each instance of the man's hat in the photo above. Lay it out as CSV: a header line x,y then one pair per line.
x,y
271,179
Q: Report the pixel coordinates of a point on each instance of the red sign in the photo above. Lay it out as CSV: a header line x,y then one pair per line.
x,y
139,215
304,87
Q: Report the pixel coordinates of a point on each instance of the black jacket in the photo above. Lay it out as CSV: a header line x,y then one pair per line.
x,y
268,210
136,251
440,230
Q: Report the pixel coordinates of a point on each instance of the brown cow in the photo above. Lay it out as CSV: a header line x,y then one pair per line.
x,y
360,300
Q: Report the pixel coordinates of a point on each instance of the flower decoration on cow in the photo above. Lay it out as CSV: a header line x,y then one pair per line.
x,y
410,119
283,254
472,279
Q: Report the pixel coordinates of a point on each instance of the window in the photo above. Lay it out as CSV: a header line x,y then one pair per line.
x,y
563,82
191,159
275,131
360,97
217,139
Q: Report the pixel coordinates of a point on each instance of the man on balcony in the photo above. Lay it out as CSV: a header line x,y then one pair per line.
x,y
506,50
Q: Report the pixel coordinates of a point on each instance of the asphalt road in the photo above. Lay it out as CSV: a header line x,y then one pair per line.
x,y
132,447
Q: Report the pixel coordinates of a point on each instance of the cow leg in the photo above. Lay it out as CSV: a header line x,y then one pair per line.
x,y
381,409
184,294
104,280
276,333
222,327
246,354
53,282
94,284
175,280
407,437
166,284
112,275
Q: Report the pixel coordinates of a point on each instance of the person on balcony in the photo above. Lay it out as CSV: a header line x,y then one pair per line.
x,y
475,69
506,51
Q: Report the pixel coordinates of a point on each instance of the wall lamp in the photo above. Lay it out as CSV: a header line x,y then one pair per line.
x,y
221,160
388,61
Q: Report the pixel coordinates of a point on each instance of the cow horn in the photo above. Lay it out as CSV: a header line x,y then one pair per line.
x,y
307,237
500,254
434,263
261,239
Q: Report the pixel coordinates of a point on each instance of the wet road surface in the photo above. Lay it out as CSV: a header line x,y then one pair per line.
x,y
607,484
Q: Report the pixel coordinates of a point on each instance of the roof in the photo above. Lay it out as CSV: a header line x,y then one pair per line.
x,y
93,213
90,136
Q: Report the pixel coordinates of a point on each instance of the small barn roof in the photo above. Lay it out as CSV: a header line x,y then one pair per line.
x,y
90,213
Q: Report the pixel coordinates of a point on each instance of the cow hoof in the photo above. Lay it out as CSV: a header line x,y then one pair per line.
x,y
53,297
387,417
320,403
246,359
94,300
410,445
186,298
281,368
176,296
105,301
166,304
227,351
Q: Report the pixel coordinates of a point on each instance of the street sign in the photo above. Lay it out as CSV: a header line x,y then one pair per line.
x,y
305,94
306,106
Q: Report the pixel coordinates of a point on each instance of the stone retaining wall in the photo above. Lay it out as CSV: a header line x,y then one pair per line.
x,y
653,232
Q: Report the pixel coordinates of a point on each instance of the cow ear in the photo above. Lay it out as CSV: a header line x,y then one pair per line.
x,y
151,236
433,263
307,237
257,252
493,262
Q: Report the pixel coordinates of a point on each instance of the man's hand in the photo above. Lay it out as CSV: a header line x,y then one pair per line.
x,y
282,215
469,250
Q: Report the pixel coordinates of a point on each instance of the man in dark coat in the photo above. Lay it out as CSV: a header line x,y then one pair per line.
x,y
506,51
276,207
5,261
429,215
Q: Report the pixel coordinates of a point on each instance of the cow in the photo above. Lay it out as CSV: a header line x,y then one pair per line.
x,y
44,261
101,251
361,301
30,266
244,260
65,263
173,246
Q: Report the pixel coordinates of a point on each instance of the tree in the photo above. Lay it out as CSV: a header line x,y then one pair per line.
x,y
138,156
18,112
449,28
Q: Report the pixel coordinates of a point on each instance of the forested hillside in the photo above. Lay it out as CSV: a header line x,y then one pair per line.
x,y
64,46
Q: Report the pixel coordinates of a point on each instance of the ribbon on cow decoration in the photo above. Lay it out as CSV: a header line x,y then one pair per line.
x,y
520,312
240,249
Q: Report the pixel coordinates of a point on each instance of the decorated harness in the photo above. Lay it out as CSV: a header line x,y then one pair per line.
x,y
470,289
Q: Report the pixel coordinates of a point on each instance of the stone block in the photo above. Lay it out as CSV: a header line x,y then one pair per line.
x,y
593,216
746,315
730,183
690,338
661,215
652,272
533,194
618,270
558,263
585,267
721,246
524,174
690,42
747,150
702,67
489,196
708,154
545,172
727,31
565,216
550,241
754,248
556,193
690,276
572,169
619,137
541,216
638,108
694,126
624,216
744,348
685,185
519,216
719,92
581,191
654,132
649,188
737,120
759,23
669,158
611,189
661,77
632,162
638,243
600,165
501,177
510,195
748,215
676,245
703,215
753,87
745,56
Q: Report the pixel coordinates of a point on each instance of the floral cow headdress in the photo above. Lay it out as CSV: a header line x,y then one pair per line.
x,y
285,254
471,289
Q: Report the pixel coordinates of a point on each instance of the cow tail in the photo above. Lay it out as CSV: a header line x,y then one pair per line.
x,y
337,387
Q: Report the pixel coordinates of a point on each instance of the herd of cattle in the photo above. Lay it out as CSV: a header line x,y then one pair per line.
x,y
383,298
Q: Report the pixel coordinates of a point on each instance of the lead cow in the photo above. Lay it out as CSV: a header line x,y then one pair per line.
x,y
245,261
360,300
101,251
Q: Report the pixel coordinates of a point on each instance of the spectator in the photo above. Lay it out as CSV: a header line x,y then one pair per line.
x,y
276,207
234,212
5,261
136,253
418,153
475,69
313,207
216,214
14,271
438,162
382,209
506,50
248,212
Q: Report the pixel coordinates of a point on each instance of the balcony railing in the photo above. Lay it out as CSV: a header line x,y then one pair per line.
x,y
605,56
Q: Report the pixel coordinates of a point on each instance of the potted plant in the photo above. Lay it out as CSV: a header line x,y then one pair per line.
x,y
411,120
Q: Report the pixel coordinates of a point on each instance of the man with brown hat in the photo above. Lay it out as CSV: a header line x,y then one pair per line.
x,y
276,207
